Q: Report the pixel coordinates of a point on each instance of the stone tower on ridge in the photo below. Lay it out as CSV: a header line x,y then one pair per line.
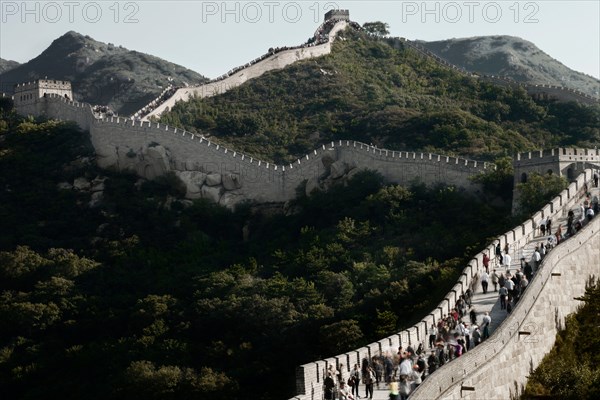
x,y
567,162
338,14
28,93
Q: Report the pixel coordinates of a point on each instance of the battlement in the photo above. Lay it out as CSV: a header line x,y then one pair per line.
x,y
28,93
561,154
338,14
50,84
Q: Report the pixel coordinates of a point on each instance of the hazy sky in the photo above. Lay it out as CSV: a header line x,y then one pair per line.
x,y
211,37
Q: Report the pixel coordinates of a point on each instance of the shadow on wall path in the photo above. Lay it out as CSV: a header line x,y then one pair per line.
x,y
490,301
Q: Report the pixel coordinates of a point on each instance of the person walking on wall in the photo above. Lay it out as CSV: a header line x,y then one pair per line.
x,y
484,281
542,224
432,336
486,263
558,234
329,386
487,320
369,380
506,260
499,253
495,279
394,389
355,376
503,293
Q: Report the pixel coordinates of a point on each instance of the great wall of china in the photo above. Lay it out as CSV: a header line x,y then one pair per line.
x,y
502,363
251,70
228,177
340,20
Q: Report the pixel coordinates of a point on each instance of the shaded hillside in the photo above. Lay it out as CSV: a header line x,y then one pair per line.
x,y
7,65
381,92
133,293
102,73
512,57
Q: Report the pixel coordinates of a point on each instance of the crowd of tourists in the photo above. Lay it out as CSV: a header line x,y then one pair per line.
x,y
103,111
321,36
576,219
164,96
403,371
462,329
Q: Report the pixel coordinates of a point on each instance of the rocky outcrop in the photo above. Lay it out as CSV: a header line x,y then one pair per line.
x,y
336,172
213,179
155,160
212,193
81,183
231,181
193,181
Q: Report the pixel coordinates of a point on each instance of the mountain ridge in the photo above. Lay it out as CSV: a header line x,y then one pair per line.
x,y
7,65
511,57
102,73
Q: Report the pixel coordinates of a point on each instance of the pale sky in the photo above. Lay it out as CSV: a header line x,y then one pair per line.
x,y
212,37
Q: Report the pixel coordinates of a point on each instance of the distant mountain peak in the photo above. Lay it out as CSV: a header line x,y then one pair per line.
x,y
513,57
7,65
102,73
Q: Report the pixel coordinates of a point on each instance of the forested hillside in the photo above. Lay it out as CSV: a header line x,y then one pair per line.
x,y
378,91
113,287
138,294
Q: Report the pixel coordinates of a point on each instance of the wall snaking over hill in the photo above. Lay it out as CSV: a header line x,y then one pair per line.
x,y
227,177
278,60
494,367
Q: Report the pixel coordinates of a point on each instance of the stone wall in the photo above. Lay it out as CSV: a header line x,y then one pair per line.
x,y
153,149
499,367
567,162
574,264
274,62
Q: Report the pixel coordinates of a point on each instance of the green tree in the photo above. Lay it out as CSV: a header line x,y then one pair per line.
x,y
498,181
340,336
386,323
378,28
538,190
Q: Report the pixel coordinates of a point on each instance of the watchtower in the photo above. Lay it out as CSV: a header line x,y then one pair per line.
x,y
567,162
28,93
338,14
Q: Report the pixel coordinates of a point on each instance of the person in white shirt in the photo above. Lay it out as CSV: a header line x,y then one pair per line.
x,y
484,281
510,286
536,257
506,260
590,213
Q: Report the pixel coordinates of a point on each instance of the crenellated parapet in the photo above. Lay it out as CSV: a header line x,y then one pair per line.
x,y
496,365
223,175
152,149
499,367
28,93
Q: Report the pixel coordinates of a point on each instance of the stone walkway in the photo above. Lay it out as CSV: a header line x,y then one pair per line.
x,y
490,302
